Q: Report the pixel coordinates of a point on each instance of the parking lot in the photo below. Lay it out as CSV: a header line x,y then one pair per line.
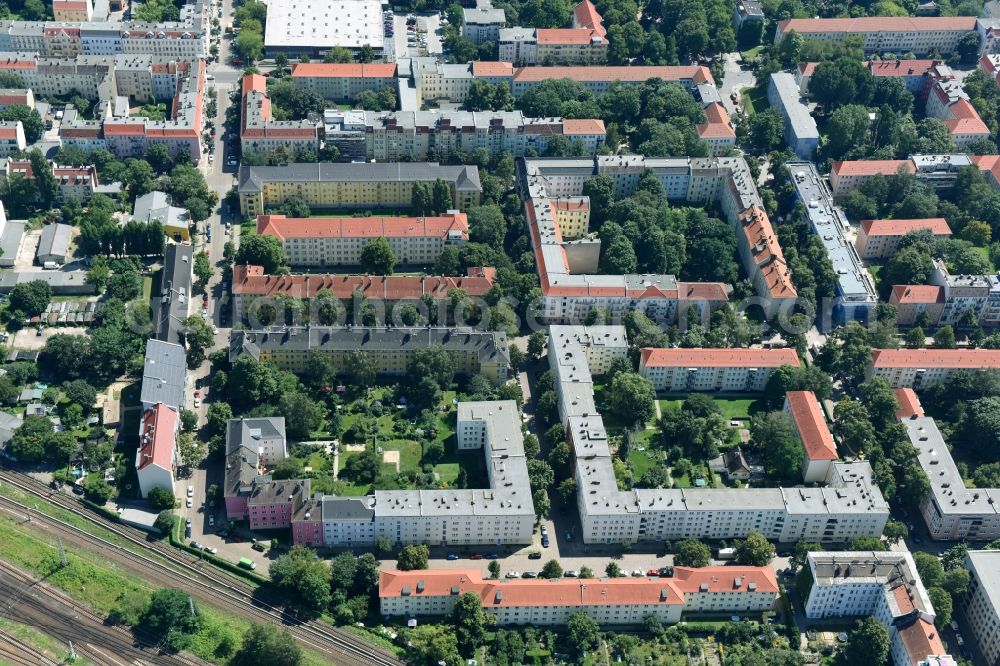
x,y
425,25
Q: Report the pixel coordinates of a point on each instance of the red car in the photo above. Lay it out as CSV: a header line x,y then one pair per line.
x,y
197,394
476,556
653,572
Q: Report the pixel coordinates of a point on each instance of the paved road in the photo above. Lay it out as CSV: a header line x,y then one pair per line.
x,y
735,79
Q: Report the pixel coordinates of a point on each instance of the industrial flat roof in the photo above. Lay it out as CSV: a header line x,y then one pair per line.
x,y
324,24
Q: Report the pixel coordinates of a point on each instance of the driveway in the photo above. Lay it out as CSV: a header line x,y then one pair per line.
x,y
735,79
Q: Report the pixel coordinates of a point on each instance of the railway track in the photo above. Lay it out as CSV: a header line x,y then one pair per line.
x,y
18,653
194,575
55,613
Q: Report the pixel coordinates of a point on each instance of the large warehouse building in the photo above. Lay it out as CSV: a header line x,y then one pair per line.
x,y
315,26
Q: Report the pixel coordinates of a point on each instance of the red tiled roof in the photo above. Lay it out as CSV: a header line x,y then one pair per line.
x,y
904,294
702,291
362,227
872,167
9,97
807,68
583,126
679,357
811,424
252,281
900,67
344,70
970,359
574,591
767,252
718,124
585,15
909,404
571,36
878,24
695,73
156,447
937,226
494,69
921,640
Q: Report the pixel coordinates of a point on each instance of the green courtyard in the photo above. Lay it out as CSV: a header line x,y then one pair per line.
x,y
388,446
674,464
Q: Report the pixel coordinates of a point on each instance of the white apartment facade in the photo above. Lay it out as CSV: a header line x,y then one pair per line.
x,y
885,34
722,370
849,505
885,585
609,601
981,603
917,368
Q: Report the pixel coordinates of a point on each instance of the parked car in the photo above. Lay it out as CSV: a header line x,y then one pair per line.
x,y
534,555
452,556
190,502
211,521
545,540
259,547
570,574
211,549
492,556
476,556
191,488
638,573
513,574
666,572
529,574
653,572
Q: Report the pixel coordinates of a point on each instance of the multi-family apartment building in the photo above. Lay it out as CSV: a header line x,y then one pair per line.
x,y
394,136
883,584
72,183
599,78
918,368
609,601
951,511
981,602
938,171
961,294
339,241
567,265
725,370
156,454
553,46
181,83
912,300
355,186
483,22
253,447
584,44
17,96
849,505
882,34
855,296
186,39
558,220
817,440
11,137
163,375
252,289
341,83
949,103
879,239
501,514
474,351
72,10
261,134
801,133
